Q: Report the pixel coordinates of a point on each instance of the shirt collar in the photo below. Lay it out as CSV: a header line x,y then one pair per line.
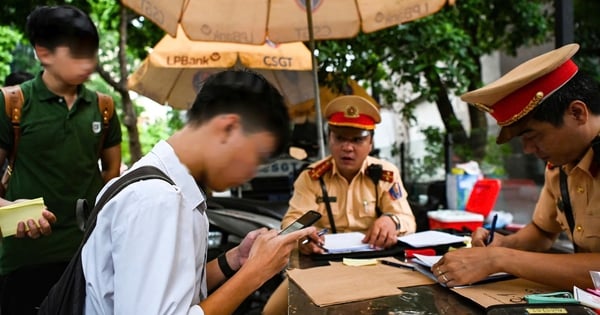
x,y
586,163
164,154
44,94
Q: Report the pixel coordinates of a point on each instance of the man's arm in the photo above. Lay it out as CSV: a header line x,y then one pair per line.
x,y
268,256
111,162
395,201
530,238
562,271
520,254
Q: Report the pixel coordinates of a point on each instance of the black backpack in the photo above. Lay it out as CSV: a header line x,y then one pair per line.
x,y
67,296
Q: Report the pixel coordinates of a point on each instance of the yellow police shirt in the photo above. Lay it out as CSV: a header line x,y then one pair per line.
x,y
584,192
352,204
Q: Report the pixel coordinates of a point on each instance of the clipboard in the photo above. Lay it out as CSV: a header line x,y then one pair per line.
x,y
395,251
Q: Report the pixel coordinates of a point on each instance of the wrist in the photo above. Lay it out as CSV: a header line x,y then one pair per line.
x,y
394,219
226,268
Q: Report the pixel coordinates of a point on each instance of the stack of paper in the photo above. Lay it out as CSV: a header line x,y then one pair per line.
x,y
430,238
346,243
12,214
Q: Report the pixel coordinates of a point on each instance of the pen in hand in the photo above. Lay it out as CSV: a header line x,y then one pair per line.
x,y
490,237
320,233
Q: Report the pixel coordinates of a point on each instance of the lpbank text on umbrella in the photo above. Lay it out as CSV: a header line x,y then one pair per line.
x,y
184,60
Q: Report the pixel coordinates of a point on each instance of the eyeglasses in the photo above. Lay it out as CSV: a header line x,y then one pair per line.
x,y
355,141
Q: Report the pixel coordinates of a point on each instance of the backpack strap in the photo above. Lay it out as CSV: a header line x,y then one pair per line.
x,y
106,106
13,103
83,213
67,296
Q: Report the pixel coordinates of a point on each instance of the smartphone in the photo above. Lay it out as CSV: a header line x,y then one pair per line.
x,y
305,220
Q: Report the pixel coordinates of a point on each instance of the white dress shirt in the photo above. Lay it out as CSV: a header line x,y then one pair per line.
x,y
147,253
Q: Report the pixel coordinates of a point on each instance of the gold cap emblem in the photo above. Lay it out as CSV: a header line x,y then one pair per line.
x,y
351,111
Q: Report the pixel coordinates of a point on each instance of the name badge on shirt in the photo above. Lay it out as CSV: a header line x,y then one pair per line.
x,y
320,199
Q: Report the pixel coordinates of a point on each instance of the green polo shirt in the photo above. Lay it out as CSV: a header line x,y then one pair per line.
x,y
57,158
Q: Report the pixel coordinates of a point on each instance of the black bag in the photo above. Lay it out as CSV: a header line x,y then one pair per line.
x,y
67,296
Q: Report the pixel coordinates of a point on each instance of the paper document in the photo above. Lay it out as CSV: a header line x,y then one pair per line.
x,y
346,243
426,261
21,211
586,298
430,238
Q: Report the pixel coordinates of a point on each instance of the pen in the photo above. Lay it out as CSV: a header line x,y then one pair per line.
x,y
320,233
490,237
397,264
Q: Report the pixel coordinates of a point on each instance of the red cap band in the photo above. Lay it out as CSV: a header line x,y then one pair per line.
x,y
519,103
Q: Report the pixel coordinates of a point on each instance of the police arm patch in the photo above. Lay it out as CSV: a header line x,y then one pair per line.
x,y
395,191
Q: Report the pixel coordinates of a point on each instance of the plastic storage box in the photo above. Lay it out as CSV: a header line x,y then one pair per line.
x,y
480,203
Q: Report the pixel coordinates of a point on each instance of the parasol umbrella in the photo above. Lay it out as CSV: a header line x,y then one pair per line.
x,y
176,67
253,21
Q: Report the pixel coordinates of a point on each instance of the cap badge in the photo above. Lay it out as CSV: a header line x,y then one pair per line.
x,y
351,112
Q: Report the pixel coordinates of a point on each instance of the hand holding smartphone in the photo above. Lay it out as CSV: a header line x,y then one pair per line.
x,y
308,219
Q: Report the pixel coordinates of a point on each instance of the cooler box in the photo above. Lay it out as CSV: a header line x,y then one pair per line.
x,y
480,203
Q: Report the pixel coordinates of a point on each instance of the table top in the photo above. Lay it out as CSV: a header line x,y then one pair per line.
x,y
426,300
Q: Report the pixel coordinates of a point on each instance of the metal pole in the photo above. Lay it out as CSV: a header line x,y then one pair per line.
x,y
311,43
563,27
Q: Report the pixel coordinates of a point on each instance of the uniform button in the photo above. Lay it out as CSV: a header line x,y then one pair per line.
x,y
580,189
579,228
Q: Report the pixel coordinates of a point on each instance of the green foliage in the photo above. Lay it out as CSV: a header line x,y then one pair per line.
x,y
429,164
9,39
432,162
438,56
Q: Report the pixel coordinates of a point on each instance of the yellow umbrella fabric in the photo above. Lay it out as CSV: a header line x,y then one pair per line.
x,y
175,69
252,21
306,110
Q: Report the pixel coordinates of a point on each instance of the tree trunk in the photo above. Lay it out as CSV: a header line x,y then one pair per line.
x,y
455,129
479,125
129,115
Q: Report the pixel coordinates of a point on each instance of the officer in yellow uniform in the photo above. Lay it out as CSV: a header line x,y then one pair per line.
x,y
351,190
555,110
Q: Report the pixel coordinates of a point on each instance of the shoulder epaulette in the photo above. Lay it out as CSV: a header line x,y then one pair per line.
x,y
387,176
318,170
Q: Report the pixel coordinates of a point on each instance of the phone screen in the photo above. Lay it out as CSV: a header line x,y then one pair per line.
x,y
305,220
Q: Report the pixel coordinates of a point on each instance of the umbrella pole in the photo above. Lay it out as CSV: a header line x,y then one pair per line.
x,y
311,44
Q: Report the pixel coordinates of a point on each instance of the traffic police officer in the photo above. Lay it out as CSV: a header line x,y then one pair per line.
x,y
352,191
555,110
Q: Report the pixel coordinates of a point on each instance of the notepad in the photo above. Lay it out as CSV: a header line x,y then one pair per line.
x,y
430,238
346,243
21,211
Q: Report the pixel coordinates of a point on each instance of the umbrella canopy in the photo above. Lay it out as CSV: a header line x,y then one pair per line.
x,y
246,21
175,69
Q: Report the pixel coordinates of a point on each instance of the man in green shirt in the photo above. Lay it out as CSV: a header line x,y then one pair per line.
x,y
61,141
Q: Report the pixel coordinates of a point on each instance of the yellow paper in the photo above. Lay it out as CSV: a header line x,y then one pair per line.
x,y
21,211
359,262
